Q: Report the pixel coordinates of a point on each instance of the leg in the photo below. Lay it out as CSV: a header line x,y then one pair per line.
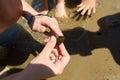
x,y
45,7
60,9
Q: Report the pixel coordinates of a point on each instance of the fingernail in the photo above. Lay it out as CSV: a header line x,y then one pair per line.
x,y
52,38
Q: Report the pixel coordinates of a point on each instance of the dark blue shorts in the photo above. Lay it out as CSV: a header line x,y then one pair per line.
x,y
9,36
17,37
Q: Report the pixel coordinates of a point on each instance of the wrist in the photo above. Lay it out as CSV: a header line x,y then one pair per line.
x,y
29,19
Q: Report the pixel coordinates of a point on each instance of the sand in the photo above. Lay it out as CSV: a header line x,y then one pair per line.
x,y
92,42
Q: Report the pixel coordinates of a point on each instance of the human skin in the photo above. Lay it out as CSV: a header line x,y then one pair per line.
x,y
40,23
45,7
8,16
60,12
87,5
41,66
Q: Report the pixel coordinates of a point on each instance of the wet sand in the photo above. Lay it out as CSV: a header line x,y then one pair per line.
x,y
93,43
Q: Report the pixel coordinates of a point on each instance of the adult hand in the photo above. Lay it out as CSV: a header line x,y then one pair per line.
x,y
87,5
47,67
40,24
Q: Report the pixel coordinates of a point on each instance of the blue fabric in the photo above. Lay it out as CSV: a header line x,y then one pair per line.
x,y
18,38
7,37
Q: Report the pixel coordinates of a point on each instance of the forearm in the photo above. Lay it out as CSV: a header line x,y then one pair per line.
x,y
32,72
28,10
35,72
12,77
23,75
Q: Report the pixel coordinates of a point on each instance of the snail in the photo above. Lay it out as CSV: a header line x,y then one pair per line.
x,y
60,39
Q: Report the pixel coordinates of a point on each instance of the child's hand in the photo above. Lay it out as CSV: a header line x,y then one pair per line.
x,y
87,5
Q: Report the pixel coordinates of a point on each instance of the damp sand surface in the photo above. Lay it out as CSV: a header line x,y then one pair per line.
x,y
92,42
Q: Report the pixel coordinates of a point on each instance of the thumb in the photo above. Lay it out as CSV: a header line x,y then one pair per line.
x,y
49,46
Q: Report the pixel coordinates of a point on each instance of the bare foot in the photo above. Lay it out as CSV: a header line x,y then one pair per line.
x,y
43,12
60,11
44,9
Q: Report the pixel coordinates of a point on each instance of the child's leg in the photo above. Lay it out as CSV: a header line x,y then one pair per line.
x,y
60,9
45,7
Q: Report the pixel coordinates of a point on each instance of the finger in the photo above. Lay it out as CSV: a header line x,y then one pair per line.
x,y
85,9
54,55
53,25
55,52
89,11
80,5
57,29
41,29
49,46
94,10
64,57
79,9
47,40
63,50
49,33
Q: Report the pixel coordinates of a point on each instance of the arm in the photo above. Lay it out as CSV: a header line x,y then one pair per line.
x,y
40,23
28,10
42,67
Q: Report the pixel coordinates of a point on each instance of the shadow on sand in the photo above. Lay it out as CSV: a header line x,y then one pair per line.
x,y
79,40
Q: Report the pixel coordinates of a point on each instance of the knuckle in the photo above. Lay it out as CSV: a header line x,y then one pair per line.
x,y
41,29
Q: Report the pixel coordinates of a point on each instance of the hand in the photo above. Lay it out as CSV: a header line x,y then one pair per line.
x,y
87,5
46,66
40,24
